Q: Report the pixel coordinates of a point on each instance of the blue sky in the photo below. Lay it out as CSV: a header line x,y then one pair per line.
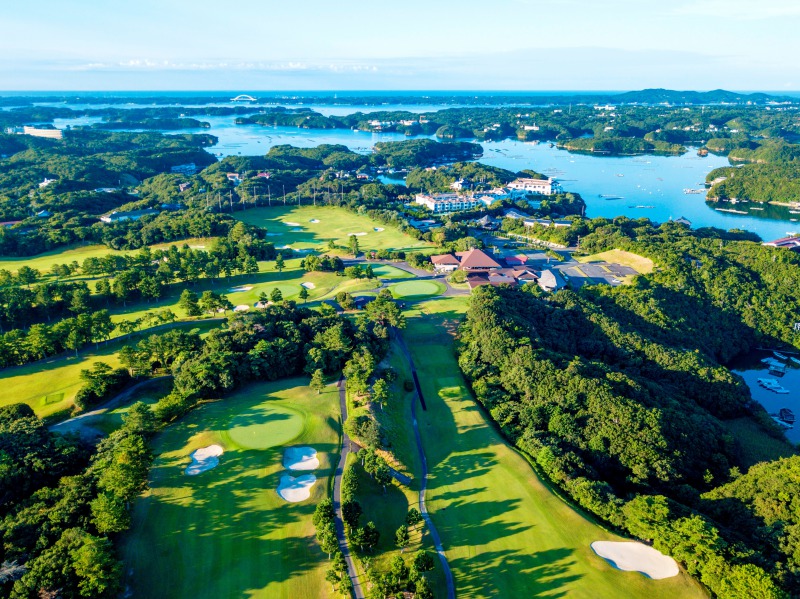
x,y
414,44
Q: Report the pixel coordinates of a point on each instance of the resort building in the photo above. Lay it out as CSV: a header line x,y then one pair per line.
x,y
441,203
546,223
789,243
445,262
476,260
525,186
551,280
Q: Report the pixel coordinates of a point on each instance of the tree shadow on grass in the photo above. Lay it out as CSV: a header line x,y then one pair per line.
x,y
544,574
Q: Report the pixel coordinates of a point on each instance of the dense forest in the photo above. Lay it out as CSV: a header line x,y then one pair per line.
x,y
611,390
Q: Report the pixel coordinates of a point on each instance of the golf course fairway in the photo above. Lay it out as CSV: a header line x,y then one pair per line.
x,y
505,533
226,532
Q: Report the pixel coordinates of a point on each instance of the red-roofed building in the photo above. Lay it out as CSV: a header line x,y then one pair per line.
x,y
445,262
790,243
517,260
477,260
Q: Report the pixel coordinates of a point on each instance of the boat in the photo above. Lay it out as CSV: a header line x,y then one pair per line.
x,y
786,415
780,356
688,191
768,383
754,208
620,175
795,360
779,390
781,423
794,211
731,210
611,197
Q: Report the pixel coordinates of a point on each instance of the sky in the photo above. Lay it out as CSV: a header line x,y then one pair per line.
x,y
532,45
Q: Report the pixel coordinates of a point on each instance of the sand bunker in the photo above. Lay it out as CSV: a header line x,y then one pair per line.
x,y
637,557
296,489
378,229
239,289
241,308
204,459
308,285
314,220
300,458
288,224
296,231
357,234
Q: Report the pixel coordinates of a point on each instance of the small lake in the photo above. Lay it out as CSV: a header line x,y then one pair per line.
x,y
647,186
772,401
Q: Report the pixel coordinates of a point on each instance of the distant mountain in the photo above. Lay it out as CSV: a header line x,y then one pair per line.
x,y
717,96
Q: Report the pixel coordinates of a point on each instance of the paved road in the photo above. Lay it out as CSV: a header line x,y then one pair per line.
x,y
437,541
81,424
347,447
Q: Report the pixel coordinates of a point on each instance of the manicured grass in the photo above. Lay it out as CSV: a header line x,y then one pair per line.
x,y
416,289
49,386
388,508
45,261
639,263
226,532
263,426
335,224
755,444
386,271
505,532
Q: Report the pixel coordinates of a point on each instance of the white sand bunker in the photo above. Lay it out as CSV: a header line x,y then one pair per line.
x,y
239,289
308,285
357,234
314,220
300,458
204,459
288,224
378,229
241,308
296,489
632,556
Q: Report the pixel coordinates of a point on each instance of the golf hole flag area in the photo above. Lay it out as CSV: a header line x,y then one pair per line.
x,y
241,528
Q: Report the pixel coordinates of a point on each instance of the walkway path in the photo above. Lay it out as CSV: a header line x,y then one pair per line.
x,y
437,541
81,424
347,447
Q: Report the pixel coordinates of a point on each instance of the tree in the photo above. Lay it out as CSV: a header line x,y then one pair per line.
x,y
140,419
276,296
351,512
101,326
353,244
422,561
371,536
423,589
380,392
109,514
279,264
413,517
188,302
317,381
402,537
369,272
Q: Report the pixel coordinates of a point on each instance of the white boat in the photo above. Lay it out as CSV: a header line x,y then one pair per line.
x,y
780,390
771,362
795,360
781,423
768,382
780,356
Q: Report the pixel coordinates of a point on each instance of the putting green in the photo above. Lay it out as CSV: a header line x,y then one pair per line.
x,y
265,426
412,289
227,532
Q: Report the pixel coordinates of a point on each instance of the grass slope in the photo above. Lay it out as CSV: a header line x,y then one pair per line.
x,y
506,534
638,263
335,224
226,532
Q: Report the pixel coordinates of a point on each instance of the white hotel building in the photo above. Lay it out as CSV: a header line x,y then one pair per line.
x,y
534,186
441,203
